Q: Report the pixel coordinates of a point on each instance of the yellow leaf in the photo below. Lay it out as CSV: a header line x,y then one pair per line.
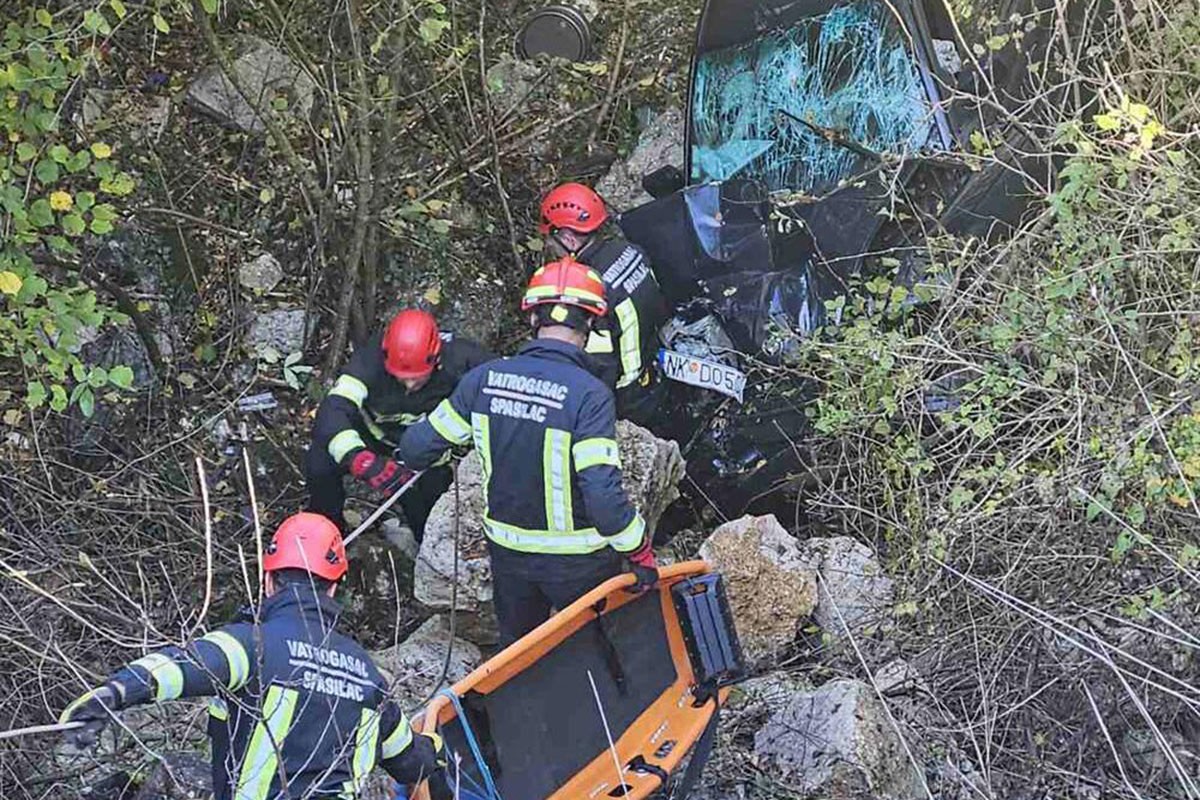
x,y
61,201
101,150
12,417
1106,122
10,282
433,295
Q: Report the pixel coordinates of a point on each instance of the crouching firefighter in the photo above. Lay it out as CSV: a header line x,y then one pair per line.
x,y
381,392
575,222
558,521
297,709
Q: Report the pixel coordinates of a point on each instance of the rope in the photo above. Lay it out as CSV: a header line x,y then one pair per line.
x,y
469,734
34,729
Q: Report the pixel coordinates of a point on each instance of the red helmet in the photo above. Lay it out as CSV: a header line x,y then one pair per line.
x,y
573,206
411,344
310,542
566,282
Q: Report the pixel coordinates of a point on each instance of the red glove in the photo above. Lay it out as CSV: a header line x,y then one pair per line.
x,y
644,567
378,472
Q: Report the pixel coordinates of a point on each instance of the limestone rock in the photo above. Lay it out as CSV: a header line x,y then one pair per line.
x,y
854,587
510,82
837,743
262,274
433,576
415,664
659,145
771,583
651,467
179,776
265,74
281,329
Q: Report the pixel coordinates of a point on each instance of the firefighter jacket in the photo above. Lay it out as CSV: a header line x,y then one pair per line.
x,y
297,709
624,342
545,430
367,400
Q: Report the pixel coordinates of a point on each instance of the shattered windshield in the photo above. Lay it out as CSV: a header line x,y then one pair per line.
x,y
805,106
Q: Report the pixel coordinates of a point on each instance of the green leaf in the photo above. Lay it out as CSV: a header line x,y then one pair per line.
x,y
87,402
432,29
85,200
26,152
1106,122
58,397
60,153
210,6
35,394
44,18
40,213
118,8
104,211
73,225
160,22
46,172
97,377
79,162
101,227
121,377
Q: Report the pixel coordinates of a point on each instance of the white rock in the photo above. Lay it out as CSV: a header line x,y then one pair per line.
x,y
771,583
837,743
854,588
265,74
262,274
415,665
401,537
659,145
281,329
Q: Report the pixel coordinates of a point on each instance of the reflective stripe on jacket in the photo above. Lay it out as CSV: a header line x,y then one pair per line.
x,y
366,396
292,702
545,430
625,342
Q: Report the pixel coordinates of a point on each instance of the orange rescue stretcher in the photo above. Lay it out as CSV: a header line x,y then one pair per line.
x,y
602,700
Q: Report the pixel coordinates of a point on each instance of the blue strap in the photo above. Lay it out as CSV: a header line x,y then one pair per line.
x,y
469,734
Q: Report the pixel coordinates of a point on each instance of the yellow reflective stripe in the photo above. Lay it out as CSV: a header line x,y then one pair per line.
x,y
262,756
630,338
345,442
366,747
235,654
449,423
599,343
596,452
65,716
398,740
217,709
167,675
482,434
556,478
351,388
579,542
568,291
630,537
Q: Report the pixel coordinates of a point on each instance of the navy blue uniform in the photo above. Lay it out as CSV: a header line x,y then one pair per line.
x,y
545,430
294,704
369,408
625,341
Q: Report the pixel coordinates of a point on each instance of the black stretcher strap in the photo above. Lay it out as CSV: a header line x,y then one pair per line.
x,y
700,756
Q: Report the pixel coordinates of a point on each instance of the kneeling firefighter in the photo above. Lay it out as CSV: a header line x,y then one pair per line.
x,y
381,392
298,709
557,519
575,221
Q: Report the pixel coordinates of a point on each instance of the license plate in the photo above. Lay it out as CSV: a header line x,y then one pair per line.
x,y
703,373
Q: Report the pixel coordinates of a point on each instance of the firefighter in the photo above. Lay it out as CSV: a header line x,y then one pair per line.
x,y
558,521
297,709
381,392
575,222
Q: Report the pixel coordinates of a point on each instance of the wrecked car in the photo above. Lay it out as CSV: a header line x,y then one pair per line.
x,y
825,141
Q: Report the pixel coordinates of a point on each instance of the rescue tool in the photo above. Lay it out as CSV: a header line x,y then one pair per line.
x,y
615,681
